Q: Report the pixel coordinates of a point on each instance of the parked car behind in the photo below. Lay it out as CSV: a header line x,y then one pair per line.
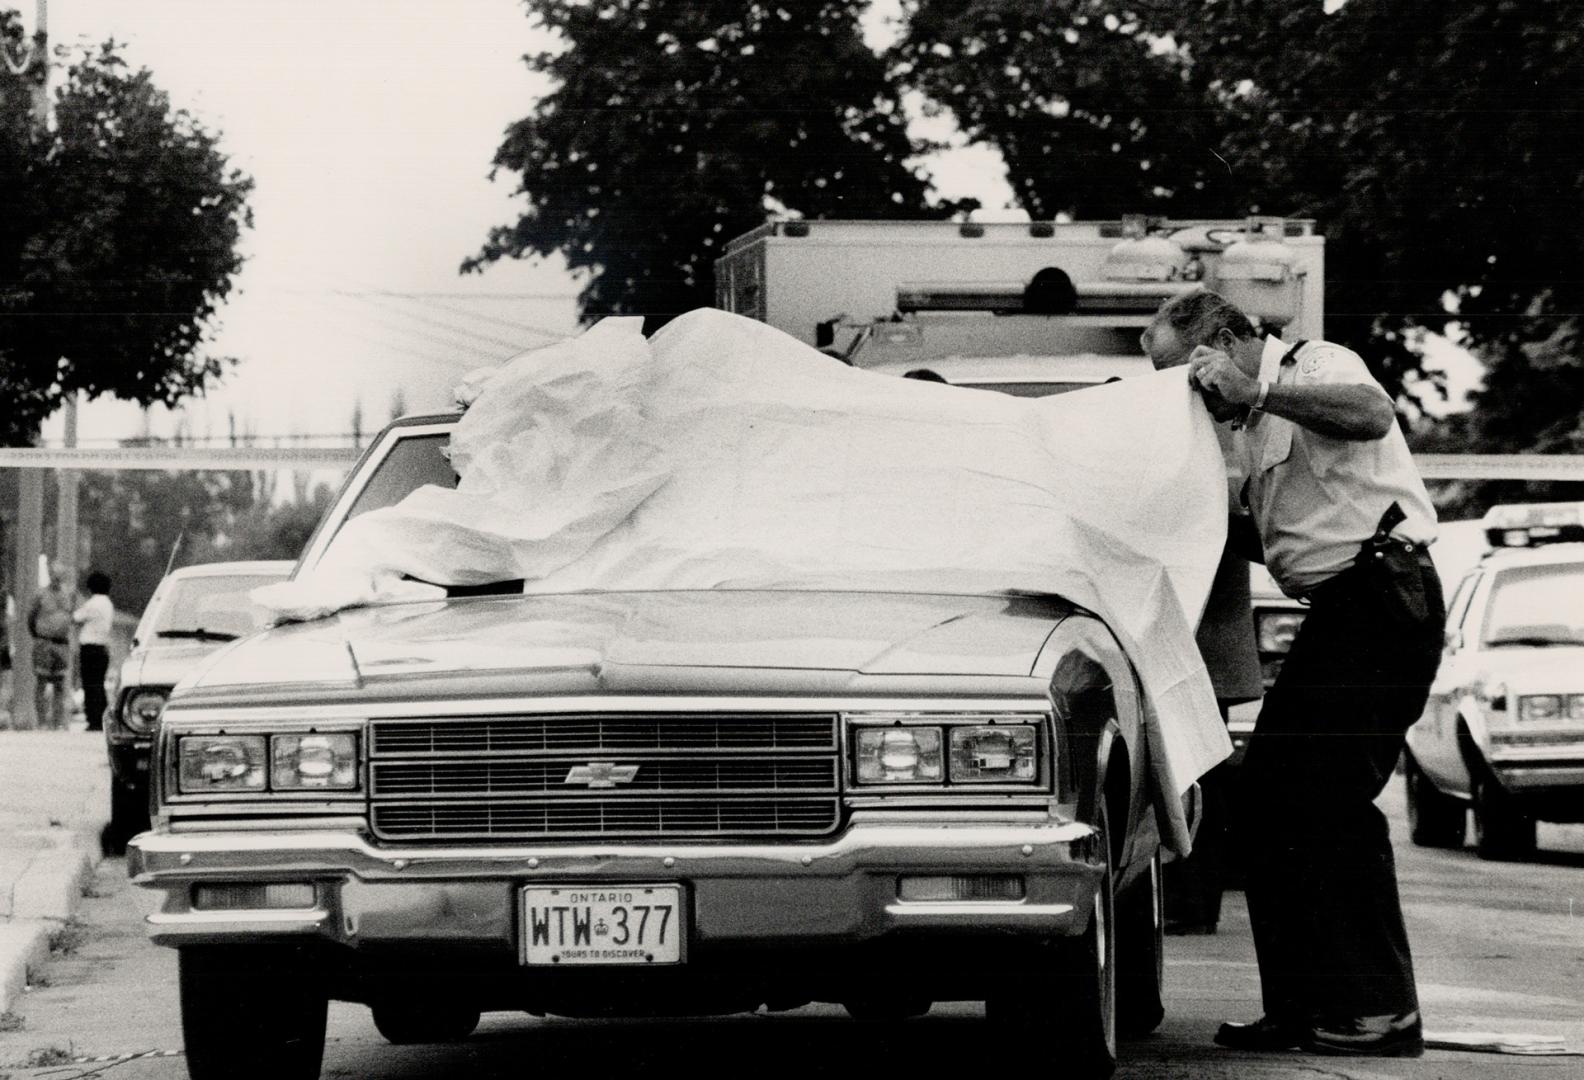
x,y
1503,731
194,611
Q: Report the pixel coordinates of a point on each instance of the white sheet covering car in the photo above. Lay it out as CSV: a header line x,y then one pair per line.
x,y
725,453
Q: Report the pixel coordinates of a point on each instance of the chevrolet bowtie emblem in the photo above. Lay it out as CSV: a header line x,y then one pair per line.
x,y
601,774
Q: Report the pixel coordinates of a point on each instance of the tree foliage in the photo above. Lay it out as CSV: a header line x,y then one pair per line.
x,y
674,124
118,244
136,523
1432,141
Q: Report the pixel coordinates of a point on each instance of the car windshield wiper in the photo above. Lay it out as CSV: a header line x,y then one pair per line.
x,y
198,634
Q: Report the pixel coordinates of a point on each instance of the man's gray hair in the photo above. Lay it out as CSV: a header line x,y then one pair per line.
x,y
1196,317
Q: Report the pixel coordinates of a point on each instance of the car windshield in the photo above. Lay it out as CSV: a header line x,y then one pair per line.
x,y
212,608
1536,606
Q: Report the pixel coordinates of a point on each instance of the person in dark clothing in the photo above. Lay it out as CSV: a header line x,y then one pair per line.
x,y
1343,522
94,618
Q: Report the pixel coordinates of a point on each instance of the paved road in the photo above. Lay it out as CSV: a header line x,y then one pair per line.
x,y
1499,947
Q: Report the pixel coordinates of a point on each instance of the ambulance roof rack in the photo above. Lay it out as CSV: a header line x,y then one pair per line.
x,y
1093,297
1533,524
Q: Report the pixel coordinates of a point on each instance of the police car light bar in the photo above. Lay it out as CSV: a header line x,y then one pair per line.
x,y
1533,524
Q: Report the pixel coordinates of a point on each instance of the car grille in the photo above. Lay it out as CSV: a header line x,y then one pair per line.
x,y
610,776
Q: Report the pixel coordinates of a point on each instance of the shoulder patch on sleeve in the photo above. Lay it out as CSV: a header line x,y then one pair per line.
x,y
1313,361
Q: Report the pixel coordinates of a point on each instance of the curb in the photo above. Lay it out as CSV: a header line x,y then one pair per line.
x,y
24,947
48,893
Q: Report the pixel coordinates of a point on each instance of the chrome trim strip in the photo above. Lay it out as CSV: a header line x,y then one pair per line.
x,y
305,921
153,856
191,718
975,908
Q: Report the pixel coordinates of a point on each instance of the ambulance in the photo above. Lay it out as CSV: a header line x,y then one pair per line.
x,y
1031,309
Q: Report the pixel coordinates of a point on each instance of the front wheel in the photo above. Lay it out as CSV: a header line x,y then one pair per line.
x,y
128,816
1140,951
1067,1020
1435,819
1501,829
251,1013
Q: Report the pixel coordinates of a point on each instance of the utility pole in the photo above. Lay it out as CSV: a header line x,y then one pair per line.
x,y
30,482
67,552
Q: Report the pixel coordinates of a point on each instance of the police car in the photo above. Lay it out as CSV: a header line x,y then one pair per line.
x,y
1503,730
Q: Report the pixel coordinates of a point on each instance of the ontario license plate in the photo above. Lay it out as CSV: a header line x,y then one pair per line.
x,y
570,925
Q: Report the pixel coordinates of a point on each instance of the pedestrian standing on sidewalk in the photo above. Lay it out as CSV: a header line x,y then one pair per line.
x,y
1343,523
50,623
94,619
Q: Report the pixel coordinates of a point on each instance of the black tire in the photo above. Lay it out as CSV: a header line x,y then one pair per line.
x,y
1435,819
1501,830
251,1013
128,817
887,1010
426,1021
1140,953
1067,1022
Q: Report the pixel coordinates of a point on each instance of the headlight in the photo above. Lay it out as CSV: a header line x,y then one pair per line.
x,y
210,763
1276,630
968,749
314,762
899,755
142,711
1002,752
1540,707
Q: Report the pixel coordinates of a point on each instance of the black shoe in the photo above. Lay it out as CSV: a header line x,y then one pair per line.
x,y
1263,1034
1391,1035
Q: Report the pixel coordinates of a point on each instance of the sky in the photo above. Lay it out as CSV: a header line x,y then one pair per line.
x,y
368,127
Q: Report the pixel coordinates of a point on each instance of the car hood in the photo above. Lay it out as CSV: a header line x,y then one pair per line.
x,y
1555,669
606,633
164,665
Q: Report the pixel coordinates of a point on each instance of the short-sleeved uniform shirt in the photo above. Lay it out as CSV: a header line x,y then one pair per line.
x,y
1315,498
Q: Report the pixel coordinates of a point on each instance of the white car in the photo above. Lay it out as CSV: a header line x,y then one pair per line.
x,y
1503,730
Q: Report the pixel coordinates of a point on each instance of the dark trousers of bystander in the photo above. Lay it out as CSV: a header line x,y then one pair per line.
x,y
93,661
1322,884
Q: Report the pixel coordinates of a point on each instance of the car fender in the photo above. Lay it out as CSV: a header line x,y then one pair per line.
x,y
1100,732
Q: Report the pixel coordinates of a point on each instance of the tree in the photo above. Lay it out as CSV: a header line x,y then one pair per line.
x,y
675,125
1430,140
137,521
1093,118
118,244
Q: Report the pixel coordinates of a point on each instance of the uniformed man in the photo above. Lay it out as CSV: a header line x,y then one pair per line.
x,y
1343,522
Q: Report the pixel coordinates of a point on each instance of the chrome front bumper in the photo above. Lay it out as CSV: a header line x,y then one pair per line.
x,y
843,890
1531,775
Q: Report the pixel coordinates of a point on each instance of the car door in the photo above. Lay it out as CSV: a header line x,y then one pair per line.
x,y
1434,739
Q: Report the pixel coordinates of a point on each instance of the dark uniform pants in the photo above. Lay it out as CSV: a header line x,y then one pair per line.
x,y
1322,886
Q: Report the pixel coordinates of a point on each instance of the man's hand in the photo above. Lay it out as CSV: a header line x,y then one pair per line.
x,y
1213,371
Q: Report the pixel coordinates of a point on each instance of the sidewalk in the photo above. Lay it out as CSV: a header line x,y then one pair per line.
x,y
54,800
